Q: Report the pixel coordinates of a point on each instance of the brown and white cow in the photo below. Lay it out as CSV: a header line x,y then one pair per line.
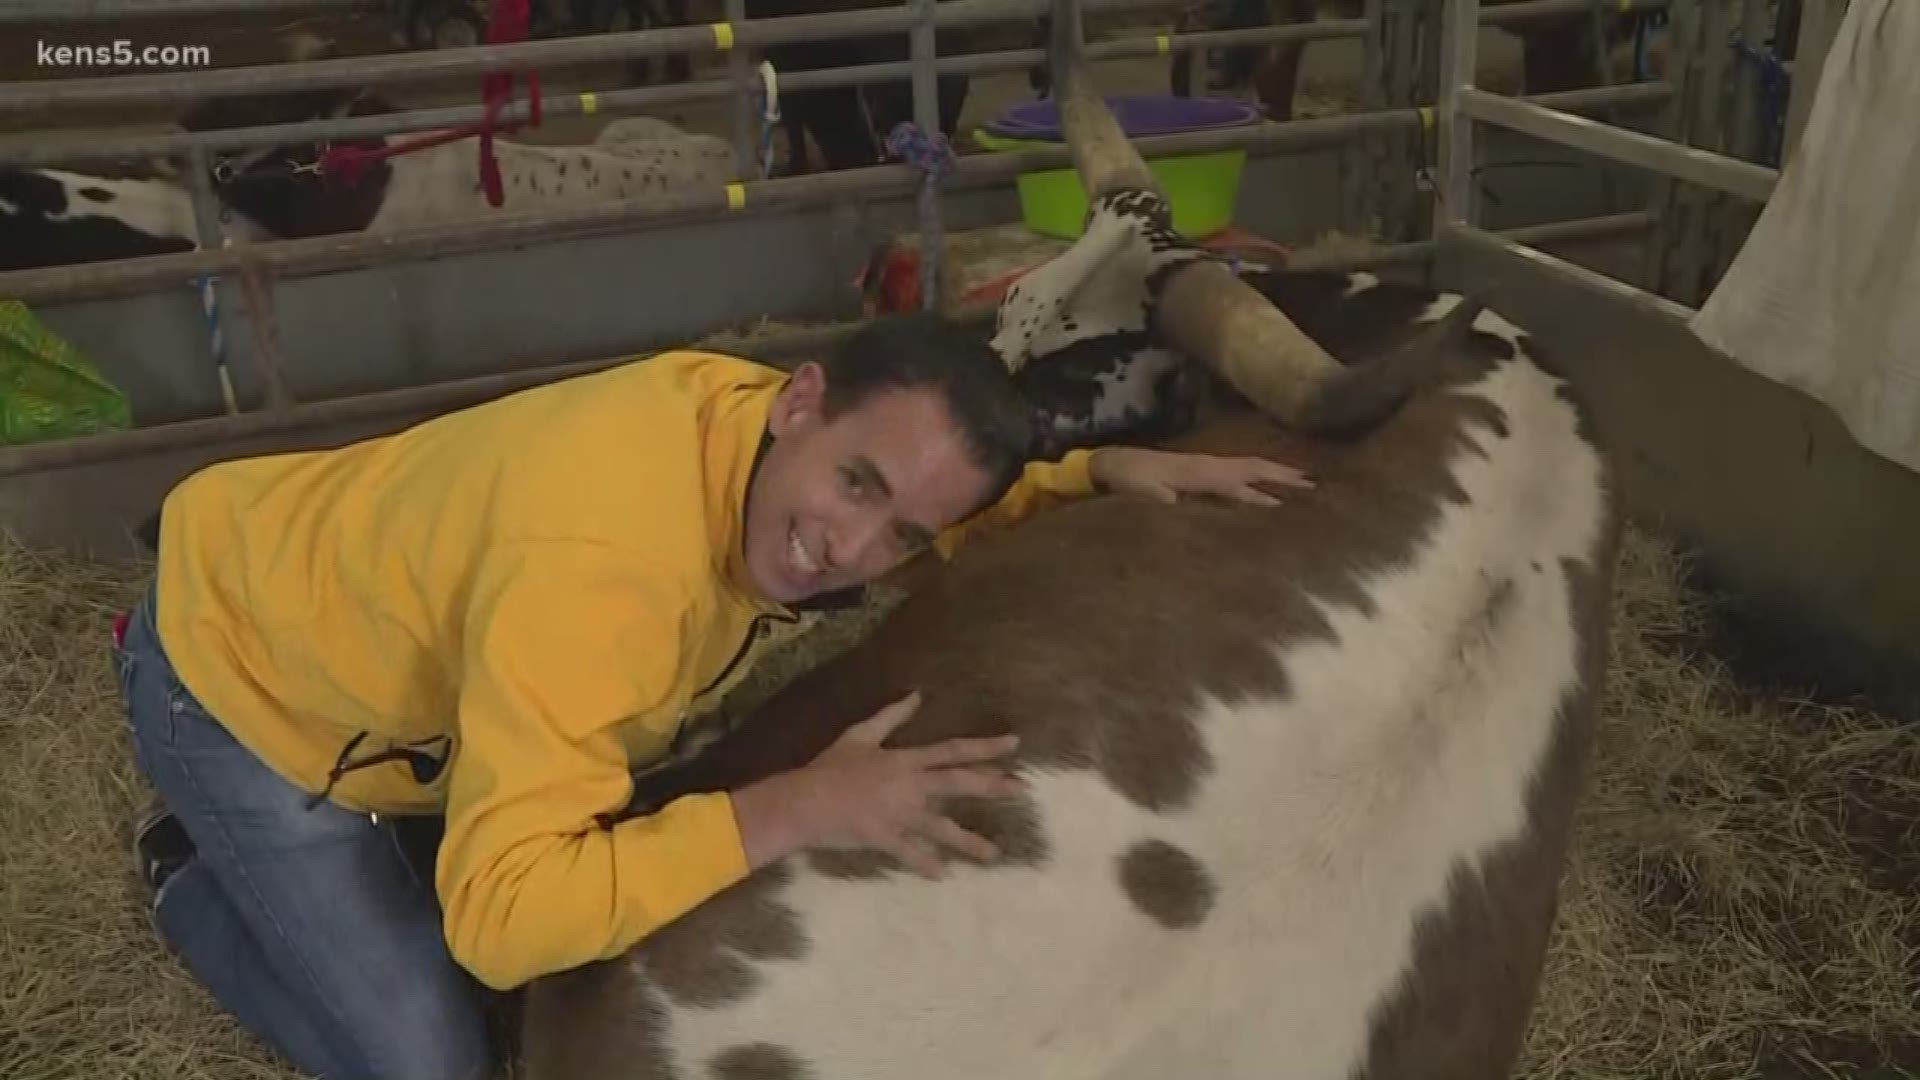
x,y
1301,778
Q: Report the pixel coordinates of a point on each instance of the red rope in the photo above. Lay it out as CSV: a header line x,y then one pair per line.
x,y
508,23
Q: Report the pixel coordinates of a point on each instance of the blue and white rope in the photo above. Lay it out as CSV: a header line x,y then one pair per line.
x,y
217,340
768,94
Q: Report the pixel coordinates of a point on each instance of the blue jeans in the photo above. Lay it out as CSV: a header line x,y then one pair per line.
x,y
309,924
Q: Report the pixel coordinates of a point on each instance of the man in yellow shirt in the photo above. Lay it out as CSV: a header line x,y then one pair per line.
x,y
497,615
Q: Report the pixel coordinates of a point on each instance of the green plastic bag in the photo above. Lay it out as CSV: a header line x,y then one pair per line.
x,y
48,390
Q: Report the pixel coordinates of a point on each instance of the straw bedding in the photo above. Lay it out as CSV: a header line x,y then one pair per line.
x,y
1742,901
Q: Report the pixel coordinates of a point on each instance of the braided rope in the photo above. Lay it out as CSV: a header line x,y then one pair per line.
x,y
932,155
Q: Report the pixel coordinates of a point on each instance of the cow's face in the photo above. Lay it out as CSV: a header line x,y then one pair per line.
x,y
1077,332
1103,285
841,498
281,187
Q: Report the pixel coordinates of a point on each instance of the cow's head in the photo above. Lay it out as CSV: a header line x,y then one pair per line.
x,y
281,186
1131,286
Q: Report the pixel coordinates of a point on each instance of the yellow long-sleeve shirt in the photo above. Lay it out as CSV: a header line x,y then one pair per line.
x,y
505,610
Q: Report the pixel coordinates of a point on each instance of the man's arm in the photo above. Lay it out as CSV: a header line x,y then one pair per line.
x,y
1041,484
563,643
1162,475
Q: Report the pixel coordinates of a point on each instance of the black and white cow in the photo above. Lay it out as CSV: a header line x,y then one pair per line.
x,y
1300,779
56,217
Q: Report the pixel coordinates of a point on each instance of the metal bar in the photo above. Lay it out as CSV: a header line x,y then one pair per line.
x,y
1598,18
324,254
1534,10
1710,127
441,397
56,12
432,398
1701,167
1746,81
1404,157
1365,160
1683,68
1418,251
37,150
740,79
1735,220
360,72
1600,284
1453,192
926,117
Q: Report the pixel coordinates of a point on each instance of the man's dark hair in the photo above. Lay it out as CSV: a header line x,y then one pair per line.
x,y
923,351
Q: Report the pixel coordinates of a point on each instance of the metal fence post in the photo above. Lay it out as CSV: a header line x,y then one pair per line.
x,y
926,116
1453,188
1365,160
746,146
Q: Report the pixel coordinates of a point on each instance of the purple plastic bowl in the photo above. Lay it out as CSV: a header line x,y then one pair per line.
x,y
1139,114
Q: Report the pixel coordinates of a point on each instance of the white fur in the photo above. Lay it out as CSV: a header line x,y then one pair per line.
x,y
635,158
160,208
1131,392
1358,282
1330,823
155,207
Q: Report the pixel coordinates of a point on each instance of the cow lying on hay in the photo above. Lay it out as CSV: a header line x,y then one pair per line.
x,y
1299,779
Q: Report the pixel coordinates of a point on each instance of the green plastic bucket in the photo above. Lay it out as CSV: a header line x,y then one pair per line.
x,y
1202,188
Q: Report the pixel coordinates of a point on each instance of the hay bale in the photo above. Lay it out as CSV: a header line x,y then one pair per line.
x,y
1742,898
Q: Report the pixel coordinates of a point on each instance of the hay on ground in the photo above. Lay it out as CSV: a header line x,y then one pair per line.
x,y
1741,902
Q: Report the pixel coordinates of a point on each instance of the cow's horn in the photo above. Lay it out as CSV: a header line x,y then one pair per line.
x,y
1211,315
1106,161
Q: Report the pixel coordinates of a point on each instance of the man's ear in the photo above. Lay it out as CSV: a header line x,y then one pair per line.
x,y
798,405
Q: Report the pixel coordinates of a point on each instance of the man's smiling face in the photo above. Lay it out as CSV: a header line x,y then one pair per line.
x,y
839,502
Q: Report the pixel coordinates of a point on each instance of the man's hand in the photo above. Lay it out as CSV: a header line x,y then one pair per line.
x,y
1166,475
858,795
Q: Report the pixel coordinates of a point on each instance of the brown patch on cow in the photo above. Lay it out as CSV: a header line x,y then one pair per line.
x,y
1167,883
1462,1012
703,958
758,1061
594,1021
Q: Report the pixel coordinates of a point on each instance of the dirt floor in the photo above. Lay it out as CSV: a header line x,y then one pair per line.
x,y
1742,901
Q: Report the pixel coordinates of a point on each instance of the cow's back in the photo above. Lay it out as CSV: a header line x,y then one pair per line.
x,y
1300,779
